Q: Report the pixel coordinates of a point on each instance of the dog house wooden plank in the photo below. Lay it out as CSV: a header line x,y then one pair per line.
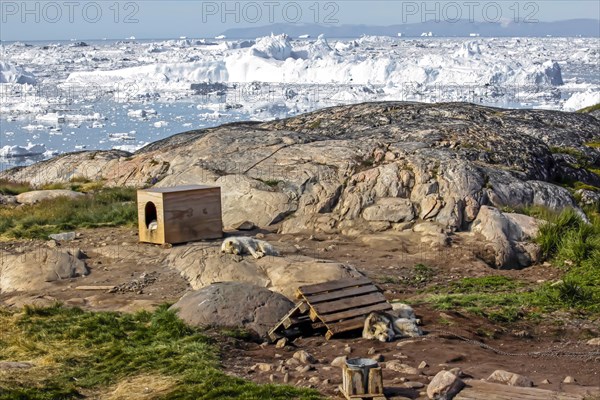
x,y
351,302
192,214
355,312
309,290
339,294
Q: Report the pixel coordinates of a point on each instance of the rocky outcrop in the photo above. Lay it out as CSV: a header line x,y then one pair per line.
x,y
36,196
364,168
35,270
204,264
233,304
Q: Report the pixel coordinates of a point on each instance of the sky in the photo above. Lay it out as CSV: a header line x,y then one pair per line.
x,y
149,19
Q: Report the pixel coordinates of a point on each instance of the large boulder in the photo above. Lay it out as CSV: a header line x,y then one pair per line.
x,y
204,264
35,270
233,304
508,238
36,196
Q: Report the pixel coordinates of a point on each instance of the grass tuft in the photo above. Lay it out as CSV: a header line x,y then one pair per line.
x,y
107,207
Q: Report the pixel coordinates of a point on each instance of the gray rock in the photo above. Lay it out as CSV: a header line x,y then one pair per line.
x,y
203,264
390,209
36,270
509,378
594,342
402,368
339,361
444,385
244,226
36,196
63,236
233,304
304,357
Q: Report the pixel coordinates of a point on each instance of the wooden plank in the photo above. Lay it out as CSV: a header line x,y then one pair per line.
x,y
356,312
375,381
94,287
347,325
290,314
493,391
340,294
333,285
347,303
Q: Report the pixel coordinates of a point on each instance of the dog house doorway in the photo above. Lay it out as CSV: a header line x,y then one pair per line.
x,y
151,215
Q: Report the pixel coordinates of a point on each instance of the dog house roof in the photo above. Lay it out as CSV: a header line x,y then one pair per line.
x,y
186,188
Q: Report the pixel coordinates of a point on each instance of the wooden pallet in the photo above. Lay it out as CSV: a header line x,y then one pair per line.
x,y
481,390
338,306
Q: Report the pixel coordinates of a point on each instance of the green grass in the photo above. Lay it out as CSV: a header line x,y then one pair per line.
x,y
583,161
106,207
590,109
77,353
13,188
571,245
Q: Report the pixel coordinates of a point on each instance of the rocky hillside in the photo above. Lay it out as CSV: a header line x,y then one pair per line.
x,y
369,167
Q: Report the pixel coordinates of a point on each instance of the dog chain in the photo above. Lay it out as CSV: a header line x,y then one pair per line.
x,y
585,356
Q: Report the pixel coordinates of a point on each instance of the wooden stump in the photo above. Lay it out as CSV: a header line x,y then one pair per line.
x,y
362,378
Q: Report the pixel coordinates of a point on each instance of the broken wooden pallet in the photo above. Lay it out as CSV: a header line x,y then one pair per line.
x,y
339,306
480,390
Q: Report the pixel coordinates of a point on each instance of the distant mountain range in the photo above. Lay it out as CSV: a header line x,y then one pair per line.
x,y
464,28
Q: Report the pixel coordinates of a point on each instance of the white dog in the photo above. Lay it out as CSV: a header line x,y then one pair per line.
x,y
246,245
386,327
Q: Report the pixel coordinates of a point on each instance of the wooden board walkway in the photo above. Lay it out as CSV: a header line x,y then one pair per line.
x,y
338,306
481,390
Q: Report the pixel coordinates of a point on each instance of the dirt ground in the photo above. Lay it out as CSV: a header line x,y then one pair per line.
x,y
144,282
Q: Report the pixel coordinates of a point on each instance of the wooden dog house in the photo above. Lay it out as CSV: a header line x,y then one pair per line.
x,y
179,214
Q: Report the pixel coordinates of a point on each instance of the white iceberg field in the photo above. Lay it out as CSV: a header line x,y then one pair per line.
x,y
24,151
69,98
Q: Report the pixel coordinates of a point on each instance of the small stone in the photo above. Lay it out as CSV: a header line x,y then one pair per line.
x,y
286,378
347,349
281,343
545,382
304,369
378,357
413,385
456,371
292,362
569,379
314,380
272,378
325,382
244,226
65,236
304,357
52,243
371,351
509,378
594,342
264,367
402,368
423,365
444,385
339,361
